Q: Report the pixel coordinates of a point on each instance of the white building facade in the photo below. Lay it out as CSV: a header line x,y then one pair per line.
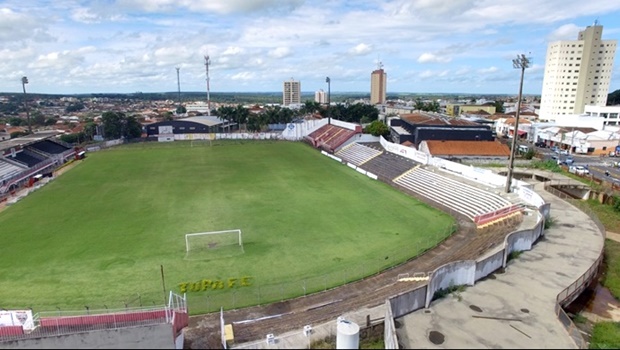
x,y
320,96
577,73
291,93
609,115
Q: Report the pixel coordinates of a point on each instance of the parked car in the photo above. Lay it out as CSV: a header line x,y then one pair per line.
x,y
569,160
555,149
540,144
579,170
564,152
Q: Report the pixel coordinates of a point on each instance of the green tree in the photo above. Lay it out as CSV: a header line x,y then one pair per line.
x,y
90,129
15,121
112,124
181,110
377,128
16,134
132,129
37,118
241,115
419,105
50,121
499,107
168,116
74,107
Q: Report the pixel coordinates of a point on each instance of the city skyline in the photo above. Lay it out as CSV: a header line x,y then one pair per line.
x,y
126,46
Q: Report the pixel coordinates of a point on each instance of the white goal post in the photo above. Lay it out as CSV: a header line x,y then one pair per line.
x,y
212,240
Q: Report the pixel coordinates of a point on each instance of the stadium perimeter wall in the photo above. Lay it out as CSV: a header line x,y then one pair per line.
x,y
144,337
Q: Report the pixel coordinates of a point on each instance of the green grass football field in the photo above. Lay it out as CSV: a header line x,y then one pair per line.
x,y
99,234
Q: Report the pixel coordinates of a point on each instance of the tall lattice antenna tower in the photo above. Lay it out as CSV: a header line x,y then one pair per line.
x,y
207,62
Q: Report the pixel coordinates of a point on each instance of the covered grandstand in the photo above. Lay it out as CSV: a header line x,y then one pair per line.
x,y
27,158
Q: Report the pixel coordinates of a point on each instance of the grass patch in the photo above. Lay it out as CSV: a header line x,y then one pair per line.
x,y
611,275
605,335
608,216
443,292
549,222
579,318
100,232
514,254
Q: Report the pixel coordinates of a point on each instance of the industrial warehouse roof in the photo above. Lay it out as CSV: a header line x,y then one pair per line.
x,y
467,148
205,120
429,119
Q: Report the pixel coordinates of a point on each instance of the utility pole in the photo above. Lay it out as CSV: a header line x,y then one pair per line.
x,y
520,62
207,62
24,82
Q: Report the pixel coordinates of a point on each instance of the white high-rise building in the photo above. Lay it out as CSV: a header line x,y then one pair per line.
x,y
577,73
320,96
291,94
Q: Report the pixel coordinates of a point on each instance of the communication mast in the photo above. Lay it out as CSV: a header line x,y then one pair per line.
x,y
207,62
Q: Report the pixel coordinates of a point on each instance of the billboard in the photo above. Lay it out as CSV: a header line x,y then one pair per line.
x,y
17,318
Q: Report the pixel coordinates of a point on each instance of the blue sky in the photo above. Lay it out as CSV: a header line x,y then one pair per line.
x,y
425,46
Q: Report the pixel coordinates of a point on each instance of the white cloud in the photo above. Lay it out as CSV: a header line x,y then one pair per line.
x,y
217,6
360,49
280,52
16,26
488,70
564,32
135,45
243,76
432,58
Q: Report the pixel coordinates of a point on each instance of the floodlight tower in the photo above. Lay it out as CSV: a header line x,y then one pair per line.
x,y
24,82
521,62
328,81
178,87
207,62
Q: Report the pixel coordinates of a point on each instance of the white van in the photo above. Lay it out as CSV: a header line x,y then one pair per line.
x,y
523,148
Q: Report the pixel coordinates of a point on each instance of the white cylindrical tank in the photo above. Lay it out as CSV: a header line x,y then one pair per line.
x,y
348,336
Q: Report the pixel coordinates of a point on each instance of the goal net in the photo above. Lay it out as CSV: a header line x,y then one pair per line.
x,y
213,244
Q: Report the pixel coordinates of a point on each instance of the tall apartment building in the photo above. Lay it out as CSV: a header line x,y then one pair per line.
x,y
320,96
378,83
291,94
577,73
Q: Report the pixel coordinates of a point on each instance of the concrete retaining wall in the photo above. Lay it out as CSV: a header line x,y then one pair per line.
x,y
390,340
488,265
451,274
408,302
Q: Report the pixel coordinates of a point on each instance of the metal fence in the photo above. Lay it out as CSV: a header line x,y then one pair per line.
x,y
55,323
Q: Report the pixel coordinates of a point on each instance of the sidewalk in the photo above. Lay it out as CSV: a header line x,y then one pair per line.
x,y
515,308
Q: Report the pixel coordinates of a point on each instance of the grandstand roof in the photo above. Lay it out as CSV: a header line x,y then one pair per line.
x,y
467,148
28,139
